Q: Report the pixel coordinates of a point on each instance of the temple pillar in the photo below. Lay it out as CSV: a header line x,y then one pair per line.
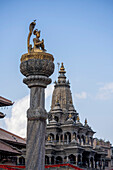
x,y
76,159
55,138
63,138
18,160
89,163
71,136
93,163
67,159
33,66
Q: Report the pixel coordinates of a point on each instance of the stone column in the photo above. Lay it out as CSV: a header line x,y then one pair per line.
x,y
76,159
18,160
67,159
63,138
55,138
37,67
71,136
67,138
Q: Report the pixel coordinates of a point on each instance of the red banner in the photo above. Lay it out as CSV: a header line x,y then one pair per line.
x,y
10,167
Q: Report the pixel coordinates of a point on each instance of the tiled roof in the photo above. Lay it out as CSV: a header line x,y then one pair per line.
x,y
5,102
8,136
7,148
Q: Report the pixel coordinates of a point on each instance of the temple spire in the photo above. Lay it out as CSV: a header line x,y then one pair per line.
x,y
62,91
62,69
62,77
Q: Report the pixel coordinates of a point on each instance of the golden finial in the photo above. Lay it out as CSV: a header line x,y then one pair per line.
x,y
57,101
78,119
62,69
49,138
85,121
70,115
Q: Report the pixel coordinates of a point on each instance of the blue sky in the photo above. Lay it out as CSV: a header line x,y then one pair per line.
x,y
78,33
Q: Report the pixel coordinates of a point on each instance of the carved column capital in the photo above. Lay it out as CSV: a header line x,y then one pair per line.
x,y
37,80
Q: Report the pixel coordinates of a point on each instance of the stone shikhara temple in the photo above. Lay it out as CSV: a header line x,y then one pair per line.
x,y
68,140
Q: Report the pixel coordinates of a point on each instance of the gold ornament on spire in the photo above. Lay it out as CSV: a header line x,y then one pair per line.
x,y
49,138
85,121
62,69
57,101
86,139
78,119
70,115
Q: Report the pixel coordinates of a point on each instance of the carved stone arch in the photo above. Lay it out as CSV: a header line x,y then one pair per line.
x,y
51,135
57,137
75,135
79,159
57,118
21,160
59,160
67,137
72,159
52,160
46,160
78,139
82,140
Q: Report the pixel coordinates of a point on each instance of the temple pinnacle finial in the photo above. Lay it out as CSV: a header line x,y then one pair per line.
x,y
62,69
78,119
85,121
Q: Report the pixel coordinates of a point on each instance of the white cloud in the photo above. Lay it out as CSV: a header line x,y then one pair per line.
x,y
17,123
49,90
82,95
105,92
